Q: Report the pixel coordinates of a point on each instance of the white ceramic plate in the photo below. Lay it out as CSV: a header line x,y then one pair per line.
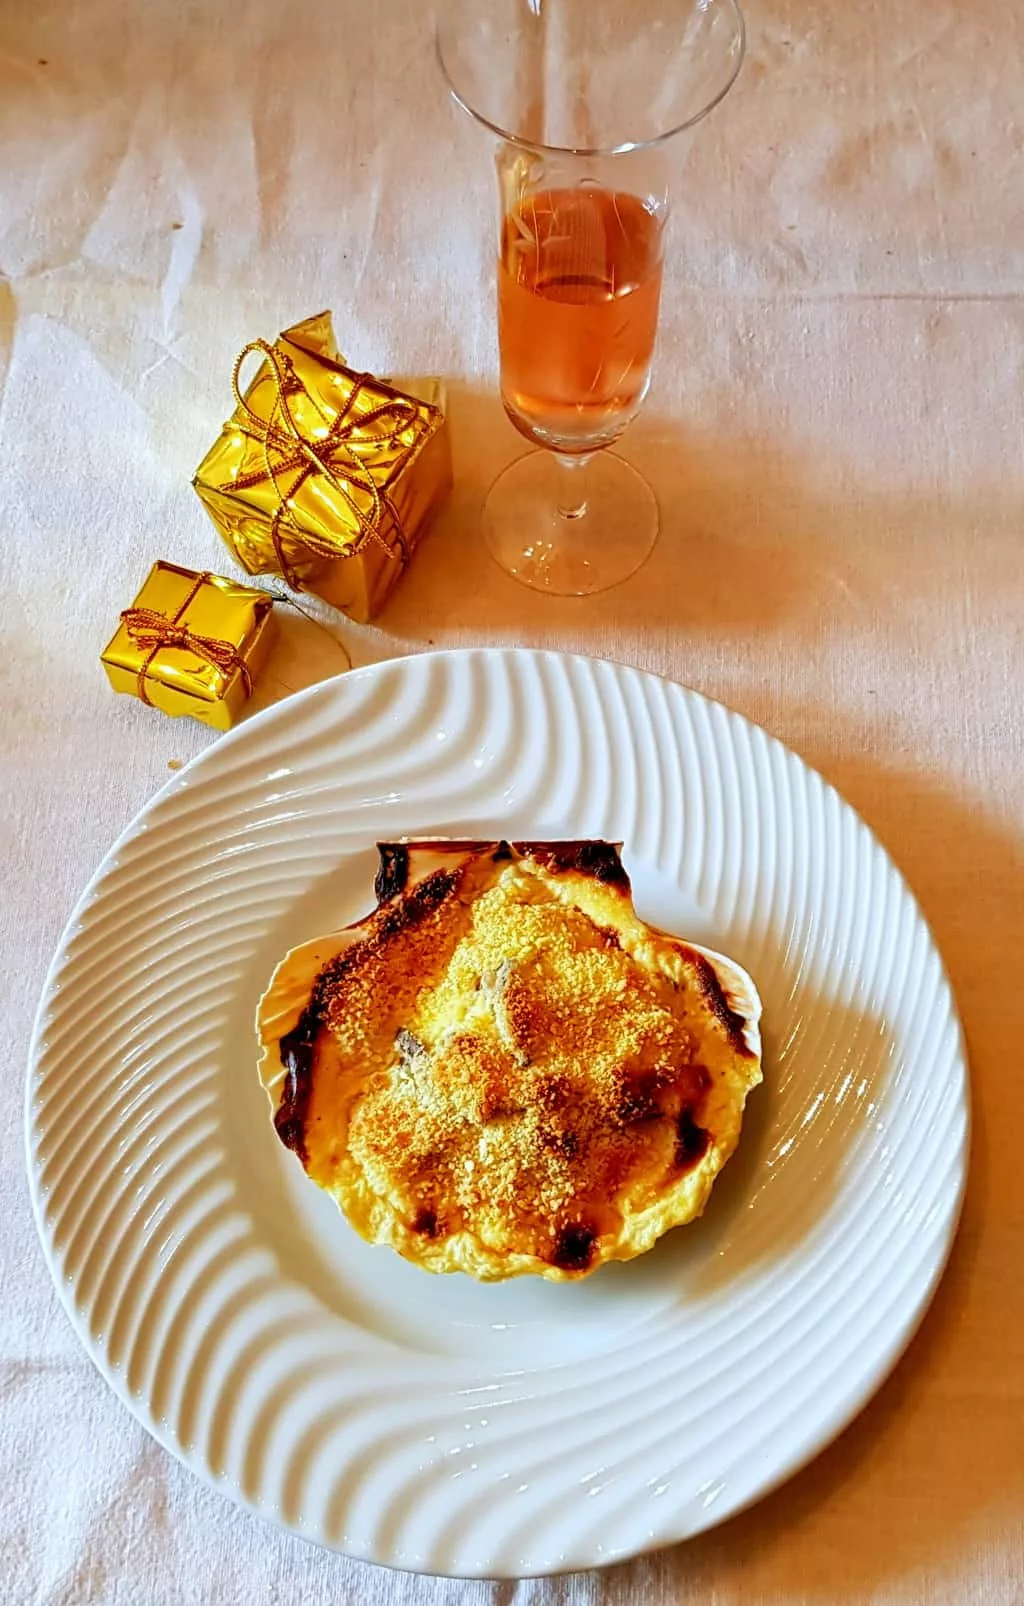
x,y
433,1423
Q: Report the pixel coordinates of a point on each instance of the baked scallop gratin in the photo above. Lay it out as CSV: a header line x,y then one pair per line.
x,y
503,1069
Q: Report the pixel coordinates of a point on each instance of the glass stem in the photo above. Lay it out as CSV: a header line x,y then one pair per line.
x,y
572,483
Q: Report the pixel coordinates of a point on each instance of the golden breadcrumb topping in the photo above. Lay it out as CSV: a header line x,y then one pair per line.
x,y
502,1065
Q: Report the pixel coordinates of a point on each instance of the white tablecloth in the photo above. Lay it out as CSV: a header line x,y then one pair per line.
x,y
836,434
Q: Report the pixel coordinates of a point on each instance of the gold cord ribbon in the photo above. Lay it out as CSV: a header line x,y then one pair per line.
x,y
330,454
154,631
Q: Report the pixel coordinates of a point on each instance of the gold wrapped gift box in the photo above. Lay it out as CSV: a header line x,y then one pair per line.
x,y
191,644
325,476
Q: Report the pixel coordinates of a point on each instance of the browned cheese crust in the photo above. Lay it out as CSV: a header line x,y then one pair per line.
x,y
502,1069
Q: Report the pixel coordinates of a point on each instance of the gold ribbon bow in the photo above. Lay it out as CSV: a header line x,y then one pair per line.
x,y
154,631
330,454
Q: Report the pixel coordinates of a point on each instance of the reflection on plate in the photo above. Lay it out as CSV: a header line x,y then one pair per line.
x,y
517,1428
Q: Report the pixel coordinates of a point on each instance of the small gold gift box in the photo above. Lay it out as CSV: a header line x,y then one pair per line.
x,y
326,477
191,644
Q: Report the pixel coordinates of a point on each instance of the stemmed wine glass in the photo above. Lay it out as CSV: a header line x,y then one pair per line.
x,y
583,99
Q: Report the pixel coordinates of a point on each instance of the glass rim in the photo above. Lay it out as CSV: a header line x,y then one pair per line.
x,y
539,148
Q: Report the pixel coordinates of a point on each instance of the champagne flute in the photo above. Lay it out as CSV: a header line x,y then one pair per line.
x,y
582,99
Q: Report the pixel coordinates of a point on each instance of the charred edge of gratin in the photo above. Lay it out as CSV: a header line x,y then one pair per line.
x,y
692,1141
714,996
594,858
297,1048
575,1243
393,871
429,1223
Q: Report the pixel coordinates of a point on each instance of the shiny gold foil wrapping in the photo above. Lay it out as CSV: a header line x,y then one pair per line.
x,y
324,476
191,644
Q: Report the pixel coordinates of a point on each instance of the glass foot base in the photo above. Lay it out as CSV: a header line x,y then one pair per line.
x,y
573,530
